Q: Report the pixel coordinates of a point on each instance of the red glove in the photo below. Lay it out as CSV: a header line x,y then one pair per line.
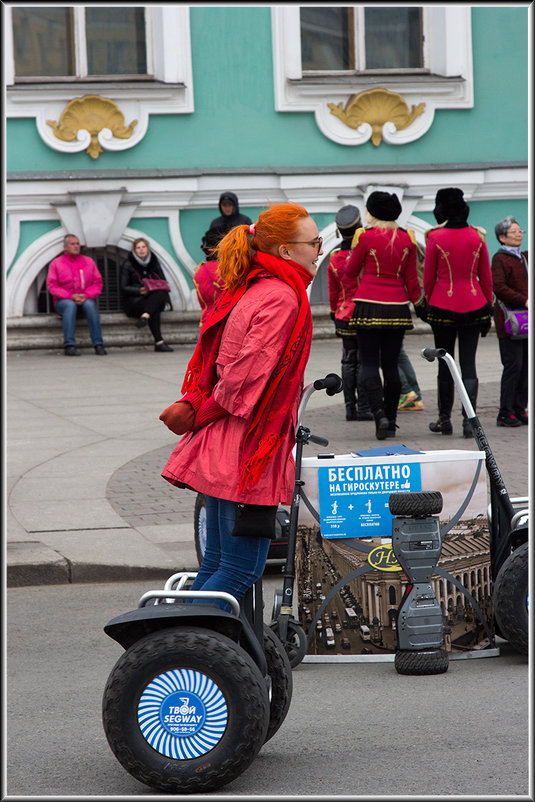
x,y
179,417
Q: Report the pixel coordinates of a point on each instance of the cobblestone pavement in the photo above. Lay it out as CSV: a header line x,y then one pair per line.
x,y
139,494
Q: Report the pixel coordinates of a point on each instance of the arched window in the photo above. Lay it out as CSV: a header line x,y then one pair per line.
x,y
392,595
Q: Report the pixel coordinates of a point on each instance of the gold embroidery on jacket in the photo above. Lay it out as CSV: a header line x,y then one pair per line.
x,y
475,254
445,255
373,253
403,257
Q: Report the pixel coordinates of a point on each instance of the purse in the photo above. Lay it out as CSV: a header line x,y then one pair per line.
x,y
515,322
257,520
152,284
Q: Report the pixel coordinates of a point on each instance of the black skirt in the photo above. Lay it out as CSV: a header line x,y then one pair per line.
x,y
344,328
368,315
447,317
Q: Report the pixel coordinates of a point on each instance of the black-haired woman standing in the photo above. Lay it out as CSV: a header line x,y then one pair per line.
x,y
458,287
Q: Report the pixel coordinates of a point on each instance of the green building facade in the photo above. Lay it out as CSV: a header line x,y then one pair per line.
x,y
126,122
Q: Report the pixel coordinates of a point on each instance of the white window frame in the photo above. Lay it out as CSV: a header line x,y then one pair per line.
x,y
445,82
169,92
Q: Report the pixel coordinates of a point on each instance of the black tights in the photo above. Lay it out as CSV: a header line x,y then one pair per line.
x,y
153,304
468,337
379,348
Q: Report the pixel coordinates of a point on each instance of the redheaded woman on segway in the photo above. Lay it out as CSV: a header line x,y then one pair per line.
x,y
241,394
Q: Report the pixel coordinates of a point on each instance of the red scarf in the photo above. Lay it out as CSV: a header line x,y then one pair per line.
x,y
272,422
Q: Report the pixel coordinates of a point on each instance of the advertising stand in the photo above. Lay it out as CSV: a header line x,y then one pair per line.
x,y
349,583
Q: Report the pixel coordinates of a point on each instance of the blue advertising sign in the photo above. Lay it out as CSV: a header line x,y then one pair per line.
x,y
353,499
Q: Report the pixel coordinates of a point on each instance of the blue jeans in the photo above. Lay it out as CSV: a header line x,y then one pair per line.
x,y
230,564
69,312
406,374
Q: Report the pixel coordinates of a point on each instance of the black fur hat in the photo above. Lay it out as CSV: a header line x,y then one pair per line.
x,y
347,219
450,205
383,205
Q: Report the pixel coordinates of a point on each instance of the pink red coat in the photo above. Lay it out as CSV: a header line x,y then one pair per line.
x,y
209,286
457,272
69,275
341,287
384,266
254,339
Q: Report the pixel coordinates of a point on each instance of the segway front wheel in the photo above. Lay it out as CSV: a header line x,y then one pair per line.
x,y
185,710
280,674
511,599
432,661
295,642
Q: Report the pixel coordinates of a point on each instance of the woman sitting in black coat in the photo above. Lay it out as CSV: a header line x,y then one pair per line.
x,y
139,302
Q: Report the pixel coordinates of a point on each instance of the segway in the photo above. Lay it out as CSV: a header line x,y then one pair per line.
x,y
508,527
286,627
202,685
417,542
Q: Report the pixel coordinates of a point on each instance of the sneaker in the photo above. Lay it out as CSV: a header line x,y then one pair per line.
x,y
70,350
522,417
100,350
507,420
415,406
407,400
163,347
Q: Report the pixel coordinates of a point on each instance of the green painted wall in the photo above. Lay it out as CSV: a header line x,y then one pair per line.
x,y
234,123
30,231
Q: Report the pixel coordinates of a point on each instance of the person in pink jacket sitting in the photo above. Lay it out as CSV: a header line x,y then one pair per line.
x,y
75,282
241,394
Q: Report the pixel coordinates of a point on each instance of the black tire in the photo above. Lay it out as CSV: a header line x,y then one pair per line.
x,y
193,672
415,505
434,661
199,526
295,643
280,674
511,599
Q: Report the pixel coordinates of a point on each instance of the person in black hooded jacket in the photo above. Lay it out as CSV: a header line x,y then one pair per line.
x,y
230,214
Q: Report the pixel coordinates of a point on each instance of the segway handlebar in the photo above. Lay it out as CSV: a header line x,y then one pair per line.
x,y
430,354
332,384
320,441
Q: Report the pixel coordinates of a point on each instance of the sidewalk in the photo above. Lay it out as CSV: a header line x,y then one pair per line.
x,y
85,449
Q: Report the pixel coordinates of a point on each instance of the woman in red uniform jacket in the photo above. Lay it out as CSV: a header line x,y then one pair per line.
x,y
242,390
458,287
383,260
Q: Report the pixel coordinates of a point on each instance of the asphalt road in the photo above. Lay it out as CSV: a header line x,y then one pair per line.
x,y
353,730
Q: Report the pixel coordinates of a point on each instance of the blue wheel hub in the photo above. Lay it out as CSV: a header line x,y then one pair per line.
x,y
182,714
